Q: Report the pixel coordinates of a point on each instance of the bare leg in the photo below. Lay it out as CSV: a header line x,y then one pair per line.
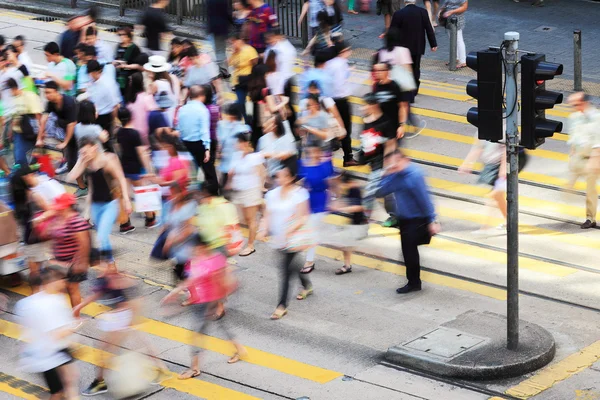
x,y
69,376
428,8
500,199
74,293
4,166
347,258
250,217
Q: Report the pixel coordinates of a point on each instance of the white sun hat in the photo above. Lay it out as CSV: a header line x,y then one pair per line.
x,y
157,64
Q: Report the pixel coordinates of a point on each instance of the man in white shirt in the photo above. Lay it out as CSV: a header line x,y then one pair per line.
x,y
104,92
584,139
19,45
285,57
341,90
48,322
104,51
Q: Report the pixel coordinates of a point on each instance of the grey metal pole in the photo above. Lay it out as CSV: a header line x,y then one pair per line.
x,y
121,8
512,195
453,23
577,78
179,12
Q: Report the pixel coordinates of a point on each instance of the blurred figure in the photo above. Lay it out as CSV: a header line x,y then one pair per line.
x,y
194,128
228,127
260,20
134,157
314,125
106,96
60,69
340,68
25,121
347,236
287,211
277,145
180,229
584,126
127,53
241,9
24,58
104,51
121,294
378,138
414,210
206,283
246,179
155,25
318,74
33,193
285,60
140,103
458,8
315,172
163,82
219,19
493,156
214,110
414,24
104,174
202,71
71,242
433,13
48,327
322,41
243,58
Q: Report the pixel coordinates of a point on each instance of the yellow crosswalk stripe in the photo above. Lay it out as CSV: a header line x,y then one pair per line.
x,y
466,250
195,387
181,335
479,191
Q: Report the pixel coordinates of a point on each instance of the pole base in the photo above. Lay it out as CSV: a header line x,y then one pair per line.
x,y
473,347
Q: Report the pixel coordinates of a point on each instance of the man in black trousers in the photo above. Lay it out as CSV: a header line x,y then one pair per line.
x,y
413,23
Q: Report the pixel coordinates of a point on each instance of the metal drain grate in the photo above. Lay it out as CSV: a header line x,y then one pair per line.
x,y
544,28
45,19
112,30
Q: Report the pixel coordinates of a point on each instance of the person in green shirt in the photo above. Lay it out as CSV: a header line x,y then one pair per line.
x,y
60,69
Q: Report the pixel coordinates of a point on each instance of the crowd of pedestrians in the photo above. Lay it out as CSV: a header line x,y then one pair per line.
x,y
127,117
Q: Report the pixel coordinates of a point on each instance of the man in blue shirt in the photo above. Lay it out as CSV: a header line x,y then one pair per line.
x,y
318,74
104,92
414,210
194,130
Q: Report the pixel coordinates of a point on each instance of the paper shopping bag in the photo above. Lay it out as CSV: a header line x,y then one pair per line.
x,y
147,198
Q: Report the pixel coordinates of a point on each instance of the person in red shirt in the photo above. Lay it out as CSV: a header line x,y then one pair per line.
x,y
260,20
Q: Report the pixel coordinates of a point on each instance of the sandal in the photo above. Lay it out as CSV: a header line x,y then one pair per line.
x,y
246,252
189,374
236,357
308,270
216,317
278,314
459,66
304,294
343,270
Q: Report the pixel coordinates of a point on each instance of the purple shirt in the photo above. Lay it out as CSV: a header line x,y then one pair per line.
x,y
215,114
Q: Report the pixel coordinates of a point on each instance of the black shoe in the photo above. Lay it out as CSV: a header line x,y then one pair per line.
x,y
151,222
97,387
126,228
408,288
351,163
588,224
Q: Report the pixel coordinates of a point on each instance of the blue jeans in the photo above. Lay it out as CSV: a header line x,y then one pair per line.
x,y
242,93
104,215
21,148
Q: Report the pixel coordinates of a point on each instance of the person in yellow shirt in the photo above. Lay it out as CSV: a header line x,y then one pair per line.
x,y
218,224
25,122
242,59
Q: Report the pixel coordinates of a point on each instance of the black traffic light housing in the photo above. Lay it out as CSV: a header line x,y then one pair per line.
x,y
535,128
487,89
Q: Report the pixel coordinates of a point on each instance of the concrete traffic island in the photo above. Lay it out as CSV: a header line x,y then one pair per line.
x,y
473,347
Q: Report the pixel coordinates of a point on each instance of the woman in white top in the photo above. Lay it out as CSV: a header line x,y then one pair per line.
x,y
277,144
162,81
287,211
247,179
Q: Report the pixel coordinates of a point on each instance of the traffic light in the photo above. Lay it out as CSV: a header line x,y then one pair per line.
x,y
535,128
487,89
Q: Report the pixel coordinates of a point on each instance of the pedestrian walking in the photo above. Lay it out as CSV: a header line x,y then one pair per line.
x,y
27,114
246,179
105,94
163,82
243,58
286,214
218,13
202,71
394,102
285,60
194,128
311,8
155,25
414,210
22,55
433,12
385,7
230,125
207,284
414,25
126,55
457,8
48,327
60,69
340,69
104,51
104,174
241,10
315,172
347,235
584,158
277,145
493,156
261,19
140,103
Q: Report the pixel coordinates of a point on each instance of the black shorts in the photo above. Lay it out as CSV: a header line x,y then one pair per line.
x,y
71,153
52,377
